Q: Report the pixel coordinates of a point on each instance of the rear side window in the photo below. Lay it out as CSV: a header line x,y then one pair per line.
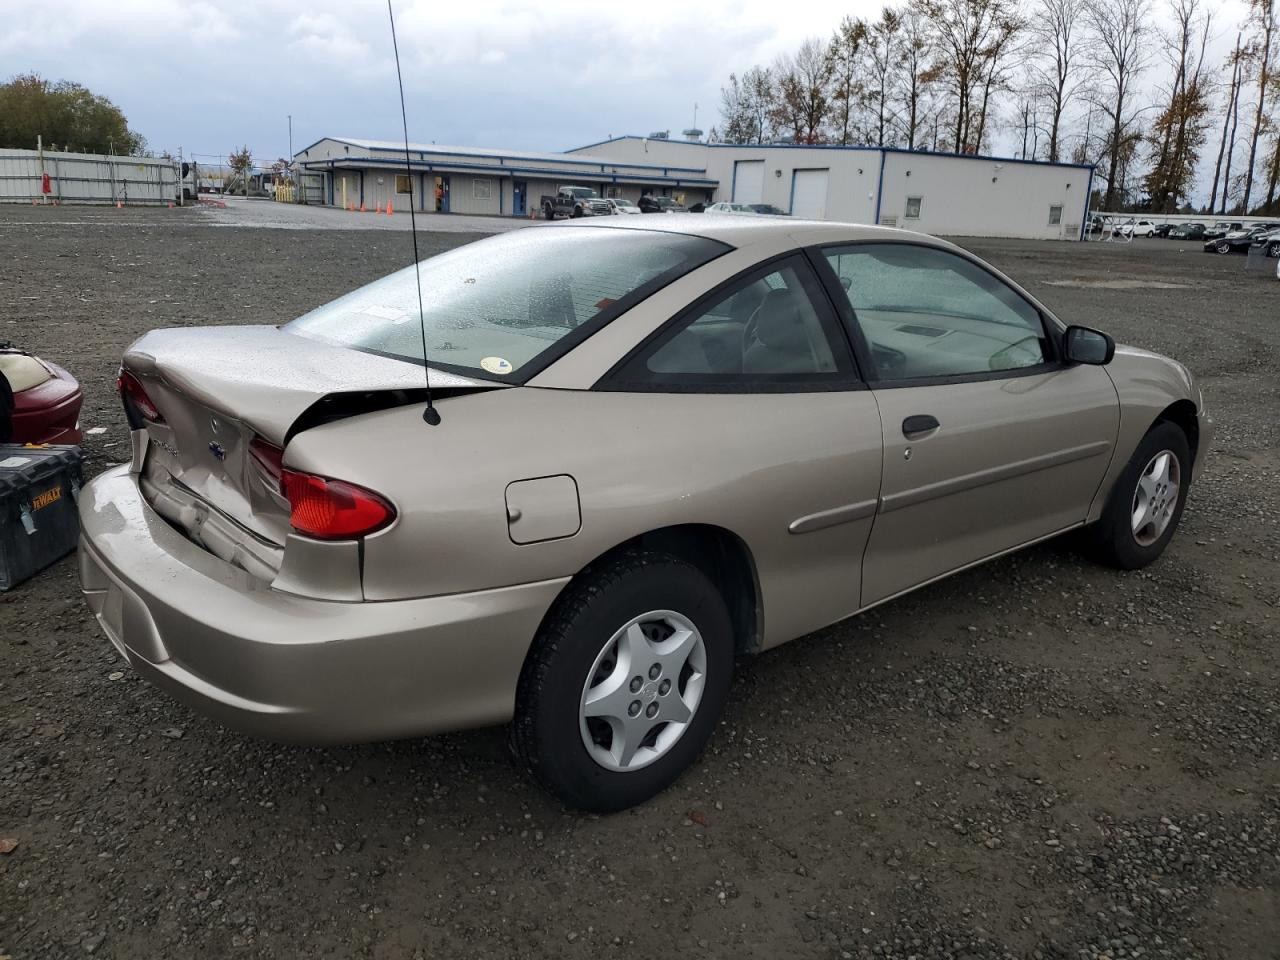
x,y
927,313
771,327
503,307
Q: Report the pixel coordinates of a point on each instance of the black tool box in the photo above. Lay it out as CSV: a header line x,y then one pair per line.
x,y
39,517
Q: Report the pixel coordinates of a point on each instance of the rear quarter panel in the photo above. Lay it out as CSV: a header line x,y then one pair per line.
x,y
750,464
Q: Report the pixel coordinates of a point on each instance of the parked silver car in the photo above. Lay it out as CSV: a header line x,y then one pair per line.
x,y
660,444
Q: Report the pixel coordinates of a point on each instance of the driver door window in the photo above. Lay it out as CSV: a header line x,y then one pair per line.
x,y
927,313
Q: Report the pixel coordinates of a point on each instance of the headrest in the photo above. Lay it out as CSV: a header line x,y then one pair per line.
x,y
778,323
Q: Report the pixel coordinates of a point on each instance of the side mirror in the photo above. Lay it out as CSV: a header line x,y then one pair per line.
x,y
1084,345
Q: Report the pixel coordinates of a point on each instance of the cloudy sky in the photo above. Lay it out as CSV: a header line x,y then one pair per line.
x,y
209,75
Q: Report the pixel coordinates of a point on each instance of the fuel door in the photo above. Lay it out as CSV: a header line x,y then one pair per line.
x,y
545,508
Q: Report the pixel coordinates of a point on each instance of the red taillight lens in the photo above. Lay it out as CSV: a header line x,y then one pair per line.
x,y
269,459
331,509
135,397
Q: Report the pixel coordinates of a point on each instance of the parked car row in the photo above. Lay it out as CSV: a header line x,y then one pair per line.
x,y
574,202
1263,235
1221,236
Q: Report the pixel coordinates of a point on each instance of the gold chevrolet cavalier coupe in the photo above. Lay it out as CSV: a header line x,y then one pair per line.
x,y
648,448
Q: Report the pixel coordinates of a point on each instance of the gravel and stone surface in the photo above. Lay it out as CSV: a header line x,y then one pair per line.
x,y
1038,758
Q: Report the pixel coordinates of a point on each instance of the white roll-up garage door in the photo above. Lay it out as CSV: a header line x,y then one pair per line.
x,y
748,181
809,194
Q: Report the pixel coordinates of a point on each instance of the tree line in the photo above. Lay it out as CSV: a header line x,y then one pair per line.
x,y
64,116
1103,82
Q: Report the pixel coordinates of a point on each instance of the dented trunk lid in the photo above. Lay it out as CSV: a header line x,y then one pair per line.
x,y
217,389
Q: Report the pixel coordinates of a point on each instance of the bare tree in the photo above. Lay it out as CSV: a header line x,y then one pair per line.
x,y
995,59
966,33
916,72
882,58
1261,59
1179,131
1055,27
1273,175
745,106
1233,99
1234,115
1119,54
845,53
801,96
735,114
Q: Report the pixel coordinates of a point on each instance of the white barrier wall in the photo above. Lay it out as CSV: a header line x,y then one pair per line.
x,y
86,178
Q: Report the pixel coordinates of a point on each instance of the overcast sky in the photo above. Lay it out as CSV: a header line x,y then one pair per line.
x,y
209,75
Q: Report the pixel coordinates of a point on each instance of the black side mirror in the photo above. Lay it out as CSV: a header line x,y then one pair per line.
x,y
1085,345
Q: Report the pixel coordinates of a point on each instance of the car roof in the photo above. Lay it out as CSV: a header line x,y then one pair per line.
x,y
742,231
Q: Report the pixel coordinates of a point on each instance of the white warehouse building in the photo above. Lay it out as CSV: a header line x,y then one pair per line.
x,y
938,193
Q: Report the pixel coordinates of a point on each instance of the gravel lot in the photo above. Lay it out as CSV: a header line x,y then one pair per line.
x,y
1038,758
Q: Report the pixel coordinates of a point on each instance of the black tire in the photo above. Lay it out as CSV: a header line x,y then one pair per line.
x,y
577,212
1112,539
546,734
1274,249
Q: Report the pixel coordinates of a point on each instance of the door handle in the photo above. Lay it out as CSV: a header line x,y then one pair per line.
x,y
918,426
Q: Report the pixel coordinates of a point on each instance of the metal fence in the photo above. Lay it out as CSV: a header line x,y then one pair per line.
x,y
86,178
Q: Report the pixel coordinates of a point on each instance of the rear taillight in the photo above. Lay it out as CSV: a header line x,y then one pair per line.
x,y
137,405
332,509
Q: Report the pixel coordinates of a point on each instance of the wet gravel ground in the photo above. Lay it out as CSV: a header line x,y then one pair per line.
x,y
1037,758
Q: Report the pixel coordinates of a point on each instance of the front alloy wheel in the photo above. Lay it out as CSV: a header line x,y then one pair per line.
x,y
1224,247
1155,498
1146,502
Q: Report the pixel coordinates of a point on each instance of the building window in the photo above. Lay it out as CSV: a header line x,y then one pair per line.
x,y
913,209
1055,214
402,183
483,189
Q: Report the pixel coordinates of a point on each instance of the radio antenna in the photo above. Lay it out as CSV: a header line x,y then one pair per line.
x,y
431,415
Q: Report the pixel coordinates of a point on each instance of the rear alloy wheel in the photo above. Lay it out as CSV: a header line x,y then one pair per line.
x,y
1146,502
1223,247
625,682
1274,249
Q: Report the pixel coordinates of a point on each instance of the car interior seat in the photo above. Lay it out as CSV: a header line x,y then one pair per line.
x,y
782,342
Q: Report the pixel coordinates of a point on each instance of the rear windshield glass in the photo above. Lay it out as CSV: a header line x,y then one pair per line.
x,y
501,304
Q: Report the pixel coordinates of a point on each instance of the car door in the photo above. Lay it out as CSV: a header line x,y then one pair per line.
x,y
989,441
752,408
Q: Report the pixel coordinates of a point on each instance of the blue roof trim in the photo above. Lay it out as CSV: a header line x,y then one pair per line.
x,y
840,146
442,152
343,163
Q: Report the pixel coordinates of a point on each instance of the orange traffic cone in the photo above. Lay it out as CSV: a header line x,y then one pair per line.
x,y
362,206
390,209
119,205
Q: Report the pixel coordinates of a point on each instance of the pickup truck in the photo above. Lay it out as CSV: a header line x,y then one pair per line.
x,y
574,202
